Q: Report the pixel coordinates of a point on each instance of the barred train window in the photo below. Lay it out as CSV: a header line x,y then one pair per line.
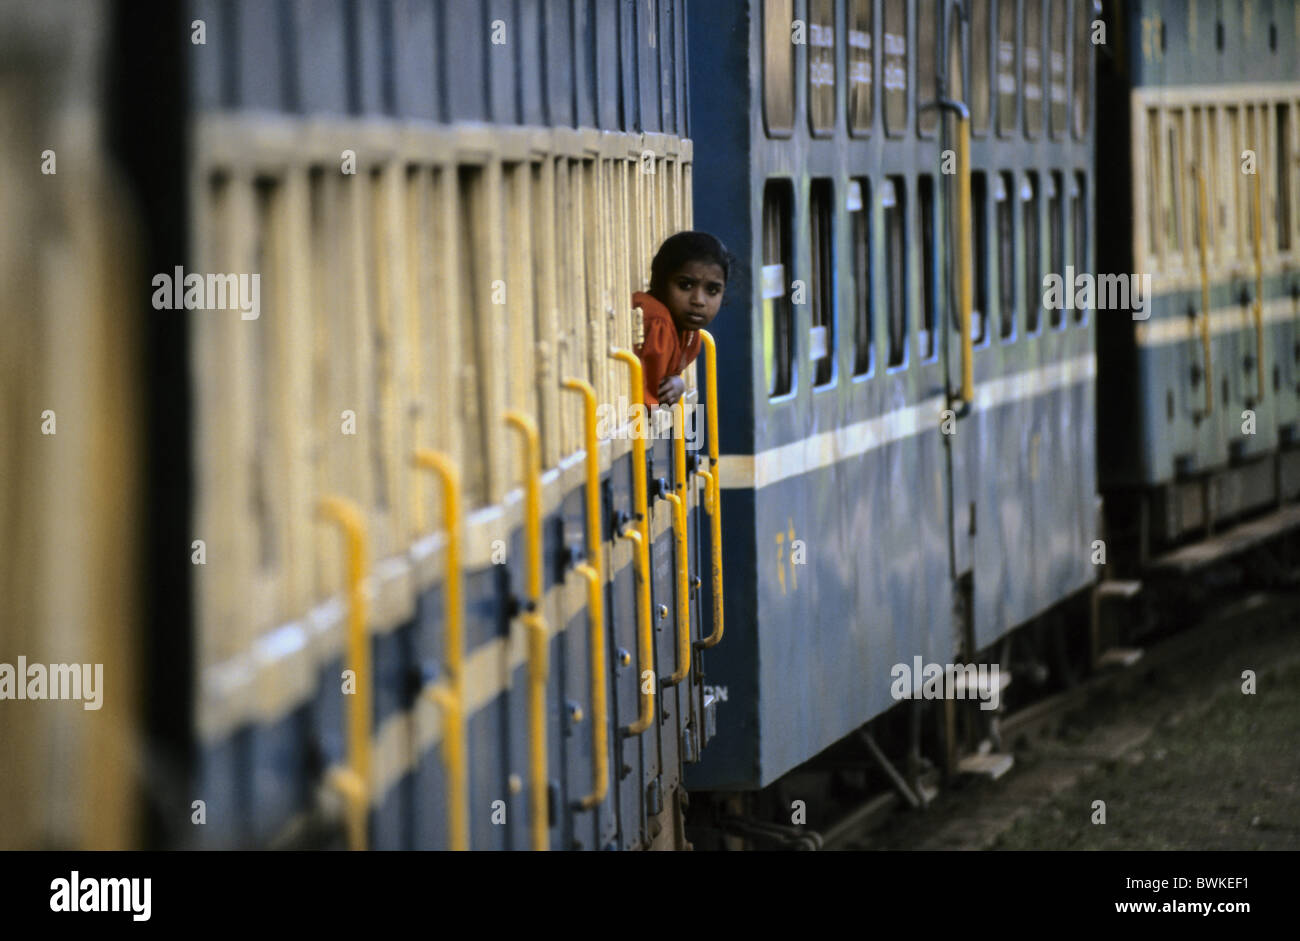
x,y
821,65
1153,176
927,89
778,66
1006,66
860,207
1003,192
1082,64
1195,166
778,319
979,66
821,340
1282,166
1033,266
1032,44
1233,178
1079,217
979,256
860,65
925,204
472,211
893,200
895,66
1173,186
1056,81
1056,244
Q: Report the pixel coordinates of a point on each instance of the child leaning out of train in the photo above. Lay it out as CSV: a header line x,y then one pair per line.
x,y
687,278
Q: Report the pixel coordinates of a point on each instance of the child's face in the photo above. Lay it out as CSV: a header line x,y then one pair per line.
x,y
695,294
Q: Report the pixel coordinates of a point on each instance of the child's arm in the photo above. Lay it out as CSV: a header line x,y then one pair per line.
x,y
655,354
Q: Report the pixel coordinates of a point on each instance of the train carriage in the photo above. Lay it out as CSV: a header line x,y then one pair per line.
x,y
896,492
1202,133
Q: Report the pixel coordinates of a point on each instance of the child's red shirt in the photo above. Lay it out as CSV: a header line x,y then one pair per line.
x,y
665,351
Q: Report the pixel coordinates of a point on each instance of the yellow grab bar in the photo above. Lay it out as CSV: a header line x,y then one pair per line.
x,y
451,696
965,291
593,571
641,544
1259,288
354,781
712,480
678,499
535,625
1203,227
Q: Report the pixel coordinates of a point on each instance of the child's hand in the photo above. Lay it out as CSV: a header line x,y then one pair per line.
x,y
671,389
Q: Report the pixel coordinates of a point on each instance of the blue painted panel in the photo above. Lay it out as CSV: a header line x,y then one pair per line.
x,y
415,60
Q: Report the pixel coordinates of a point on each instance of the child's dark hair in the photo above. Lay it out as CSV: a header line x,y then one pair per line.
x,y
685,247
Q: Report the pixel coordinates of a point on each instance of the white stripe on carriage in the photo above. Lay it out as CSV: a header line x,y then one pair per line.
x,y
756,471
1230,319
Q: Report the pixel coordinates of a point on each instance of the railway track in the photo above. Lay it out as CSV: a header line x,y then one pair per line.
x,y
1100,724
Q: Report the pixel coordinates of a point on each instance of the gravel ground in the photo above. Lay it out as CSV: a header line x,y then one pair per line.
x,y
1183,761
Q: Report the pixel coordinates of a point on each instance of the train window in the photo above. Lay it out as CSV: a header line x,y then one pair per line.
x,y
979,256
1006,67
895,66
1250,141
859,205
1175,177
1229,218
1033,265
1282,168
893,200
1032,44
821,339
381,336
1079,218
1153,177
1056,80
778,67
861,66
821,66
1195,166
1056,243
266,481
979,66
473,255
1082,66
778,316
1002,193
927,75
925,207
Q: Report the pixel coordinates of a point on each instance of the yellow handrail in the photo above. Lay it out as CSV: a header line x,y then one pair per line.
x,y
535,626
1259,289
354,781
593,571
1203,227
965,291
451,696
713,480
678,499
641,544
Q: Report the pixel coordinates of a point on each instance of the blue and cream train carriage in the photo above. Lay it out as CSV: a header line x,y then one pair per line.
x,y
1199,402
450,205
903,474
370,565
